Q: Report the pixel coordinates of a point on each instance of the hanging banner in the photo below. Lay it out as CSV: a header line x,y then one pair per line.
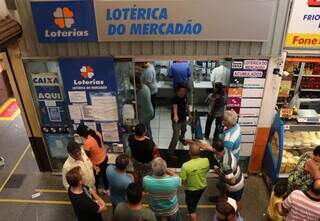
x,y
64,21
50,99
304,25
91,87
183,20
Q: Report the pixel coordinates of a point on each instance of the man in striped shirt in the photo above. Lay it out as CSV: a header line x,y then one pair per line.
x,y
162,187
232,134
231,178
303,206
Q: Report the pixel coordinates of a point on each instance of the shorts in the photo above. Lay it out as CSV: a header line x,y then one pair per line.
x,y
235,195
192,199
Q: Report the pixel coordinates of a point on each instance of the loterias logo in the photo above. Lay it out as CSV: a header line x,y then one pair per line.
x,y
314,3
86,72
64,21
63,17
87,80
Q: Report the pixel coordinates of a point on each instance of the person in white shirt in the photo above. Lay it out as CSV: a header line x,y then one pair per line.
x,y
149,78
77,157
220,74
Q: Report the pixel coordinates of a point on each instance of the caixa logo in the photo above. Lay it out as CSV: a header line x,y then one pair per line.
x,y
64,19
314,3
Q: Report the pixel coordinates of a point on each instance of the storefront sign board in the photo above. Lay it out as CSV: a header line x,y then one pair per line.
x,y
304,25
64,21
157,20
142,20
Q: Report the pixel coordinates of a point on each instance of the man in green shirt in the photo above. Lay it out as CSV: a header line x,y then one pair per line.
x,y
194,177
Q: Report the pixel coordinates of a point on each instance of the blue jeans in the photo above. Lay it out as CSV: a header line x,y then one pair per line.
x,y
174,217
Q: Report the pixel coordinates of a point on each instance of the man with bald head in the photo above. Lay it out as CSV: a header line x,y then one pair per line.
x,y
303,206
194,177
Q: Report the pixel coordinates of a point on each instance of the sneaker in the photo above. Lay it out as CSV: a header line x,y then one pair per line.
x,y
2,161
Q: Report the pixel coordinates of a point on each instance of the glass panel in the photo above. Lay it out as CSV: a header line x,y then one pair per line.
x,y
46,85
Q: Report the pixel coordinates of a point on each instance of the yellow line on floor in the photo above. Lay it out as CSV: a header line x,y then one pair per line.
x,y
64,202
50,191
56,202
6,104
15,167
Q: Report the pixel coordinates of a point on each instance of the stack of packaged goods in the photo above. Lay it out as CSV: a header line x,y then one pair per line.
x,y
295,144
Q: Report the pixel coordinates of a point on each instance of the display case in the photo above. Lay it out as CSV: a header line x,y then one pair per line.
x,y
299,107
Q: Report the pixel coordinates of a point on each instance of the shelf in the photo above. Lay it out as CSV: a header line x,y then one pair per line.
x,y
316,76
302,127
283,175
312,90
308,100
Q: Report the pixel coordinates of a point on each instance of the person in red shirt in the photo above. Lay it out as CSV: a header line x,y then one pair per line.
x,y
94,148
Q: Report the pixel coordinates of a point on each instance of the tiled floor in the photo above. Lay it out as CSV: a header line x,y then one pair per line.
x,y
16,204
162,129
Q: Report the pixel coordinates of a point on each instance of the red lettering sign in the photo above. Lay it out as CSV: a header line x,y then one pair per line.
x,y
314,3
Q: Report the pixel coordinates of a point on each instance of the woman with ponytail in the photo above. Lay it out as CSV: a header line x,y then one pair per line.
x,y
94,148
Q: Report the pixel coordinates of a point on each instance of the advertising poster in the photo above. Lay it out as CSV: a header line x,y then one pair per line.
x,y
304,25
91,88
244,69
47,90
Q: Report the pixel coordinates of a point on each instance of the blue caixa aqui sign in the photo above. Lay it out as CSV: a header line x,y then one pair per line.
x,y
64,21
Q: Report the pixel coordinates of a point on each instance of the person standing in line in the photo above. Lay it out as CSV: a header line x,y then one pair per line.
x,y
275,212
303,206
86,203
179,113
179,71
95,150
119,179
149,78
145,109
142,151
133,210
77,157
194,178
232,133
231,183
216,101
162,187
227,210
221,74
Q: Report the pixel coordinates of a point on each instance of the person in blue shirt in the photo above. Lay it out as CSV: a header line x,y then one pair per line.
x,y
180,73
119,179
231,136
